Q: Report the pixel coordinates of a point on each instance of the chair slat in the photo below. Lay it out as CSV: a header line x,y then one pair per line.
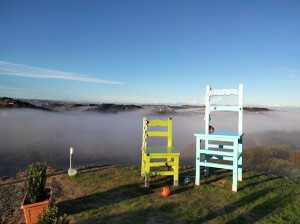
x,y
158,123
157,133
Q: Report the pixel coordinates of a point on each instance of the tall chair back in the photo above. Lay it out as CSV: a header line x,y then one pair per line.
x,y
157,123
235,108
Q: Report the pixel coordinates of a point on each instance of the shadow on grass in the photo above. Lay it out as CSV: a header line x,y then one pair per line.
x,y
219,174
161,181
94,169
182,189
250,198
153,214
253,176
106,198
260,211
253,184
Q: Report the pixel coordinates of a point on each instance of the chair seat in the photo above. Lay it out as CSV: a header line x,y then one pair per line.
x,y
161,150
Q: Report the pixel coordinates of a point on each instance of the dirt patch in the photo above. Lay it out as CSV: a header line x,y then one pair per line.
x,y
10,204
219,183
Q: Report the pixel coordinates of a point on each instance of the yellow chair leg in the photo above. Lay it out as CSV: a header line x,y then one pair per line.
x,y
143,166
147,171
176,171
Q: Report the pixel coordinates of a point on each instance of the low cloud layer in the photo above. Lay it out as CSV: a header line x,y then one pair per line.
x,y
114,138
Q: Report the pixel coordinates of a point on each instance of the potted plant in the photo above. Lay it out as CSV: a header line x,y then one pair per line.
x,y
38,196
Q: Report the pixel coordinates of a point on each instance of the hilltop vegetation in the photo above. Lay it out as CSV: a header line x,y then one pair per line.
x,y
256,109
112,108
113,194
273,152
6,102
282,161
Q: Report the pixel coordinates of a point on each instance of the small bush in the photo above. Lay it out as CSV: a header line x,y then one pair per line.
x,y
52,217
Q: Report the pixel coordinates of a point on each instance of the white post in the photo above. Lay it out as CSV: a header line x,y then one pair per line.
x,y
71,156
207,111
241,99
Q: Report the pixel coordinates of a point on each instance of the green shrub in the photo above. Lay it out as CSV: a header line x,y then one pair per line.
x,y
36,181
52,217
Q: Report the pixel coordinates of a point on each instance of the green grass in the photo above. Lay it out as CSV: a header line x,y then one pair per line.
x,y
117,195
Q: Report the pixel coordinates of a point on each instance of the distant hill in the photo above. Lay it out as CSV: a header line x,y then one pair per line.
x,y
256,109
113,108
6,102
60,106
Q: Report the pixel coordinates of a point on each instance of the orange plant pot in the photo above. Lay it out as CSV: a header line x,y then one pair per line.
x,y
32,211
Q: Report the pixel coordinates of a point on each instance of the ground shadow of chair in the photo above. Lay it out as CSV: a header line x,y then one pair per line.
x,y
159,160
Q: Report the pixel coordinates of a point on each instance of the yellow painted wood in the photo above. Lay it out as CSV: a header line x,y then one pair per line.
x,y
169,132
157,164
158,123
162,173
158,133
159,156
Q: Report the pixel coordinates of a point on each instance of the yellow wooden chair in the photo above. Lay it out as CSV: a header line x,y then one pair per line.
x,y
155,159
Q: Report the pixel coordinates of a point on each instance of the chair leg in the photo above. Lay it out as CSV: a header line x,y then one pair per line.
x,y
176,171
143,166
198,156
240,161
147,171
176,183
235,170
147,184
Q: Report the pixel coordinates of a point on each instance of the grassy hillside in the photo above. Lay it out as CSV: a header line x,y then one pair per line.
x,y
116,194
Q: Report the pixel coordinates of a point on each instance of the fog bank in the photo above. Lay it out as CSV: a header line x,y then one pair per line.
x,y
31,135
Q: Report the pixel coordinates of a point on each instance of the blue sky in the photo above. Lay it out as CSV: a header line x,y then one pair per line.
x,y
159,51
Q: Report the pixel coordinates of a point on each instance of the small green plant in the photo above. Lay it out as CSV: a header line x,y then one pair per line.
x,y
36,181
51,216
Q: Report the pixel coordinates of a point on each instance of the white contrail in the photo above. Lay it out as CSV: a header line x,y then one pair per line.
x,y
11,69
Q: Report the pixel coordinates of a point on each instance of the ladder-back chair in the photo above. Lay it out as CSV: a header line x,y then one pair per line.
x,y
215,147
156,159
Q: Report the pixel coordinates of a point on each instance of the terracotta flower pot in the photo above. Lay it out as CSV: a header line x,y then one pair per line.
x,y
32,211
